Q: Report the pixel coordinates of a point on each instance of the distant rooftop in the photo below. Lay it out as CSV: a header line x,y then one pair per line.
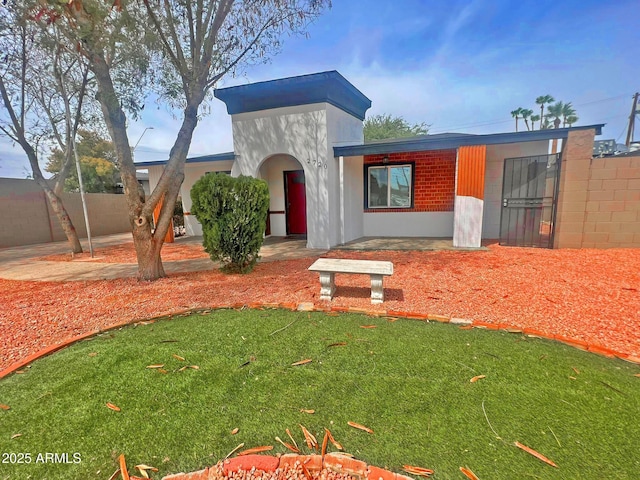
x,y
448,141
329,87
427,137
217,157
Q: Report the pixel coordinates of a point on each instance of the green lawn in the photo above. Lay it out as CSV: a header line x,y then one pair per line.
x,y
407,380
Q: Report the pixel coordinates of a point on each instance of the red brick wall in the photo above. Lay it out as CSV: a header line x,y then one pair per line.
x,y
434,182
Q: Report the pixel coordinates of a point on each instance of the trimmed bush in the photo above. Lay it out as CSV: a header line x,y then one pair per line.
x,y
233,214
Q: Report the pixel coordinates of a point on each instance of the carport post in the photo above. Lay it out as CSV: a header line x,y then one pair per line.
x,y
341,169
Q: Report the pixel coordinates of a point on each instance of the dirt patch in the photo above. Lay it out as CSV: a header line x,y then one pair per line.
x,y
589,295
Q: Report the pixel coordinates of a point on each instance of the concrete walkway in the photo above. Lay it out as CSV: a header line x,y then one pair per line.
x,y
405,243
19,263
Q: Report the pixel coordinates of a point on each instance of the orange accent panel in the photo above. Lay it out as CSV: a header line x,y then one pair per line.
x,y
169,237
471,167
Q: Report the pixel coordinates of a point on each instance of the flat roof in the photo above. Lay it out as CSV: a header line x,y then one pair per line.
x,y
329,87
217,157
450,141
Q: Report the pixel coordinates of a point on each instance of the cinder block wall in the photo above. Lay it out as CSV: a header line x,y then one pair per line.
x,y
108,213
27,217
23,213
613,203
599,198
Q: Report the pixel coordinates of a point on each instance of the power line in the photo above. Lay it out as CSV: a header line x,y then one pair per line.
x,y
497,122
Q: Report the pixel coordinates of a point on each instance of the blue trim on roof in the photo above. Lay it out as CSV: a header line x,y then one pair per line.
x,y
329,87
218,157
436,142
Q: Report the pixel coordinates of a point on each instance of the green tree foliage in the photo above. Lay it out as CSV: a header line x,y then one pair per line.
x,y
542,100
382,127
233,214
516,114
181,49
558,113
526,114
534,119
97,163
555,112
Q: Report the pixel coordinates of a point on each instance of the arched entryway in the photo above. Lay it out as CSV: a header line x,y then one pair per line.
x,y
288,196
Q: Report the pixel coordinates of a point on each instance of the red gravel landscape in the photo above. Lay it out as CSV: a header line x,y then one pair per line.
x,y
588,295
125,253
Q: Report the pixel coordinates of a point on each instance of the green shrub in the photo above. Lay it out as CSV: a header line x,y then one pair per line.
x,y
233,214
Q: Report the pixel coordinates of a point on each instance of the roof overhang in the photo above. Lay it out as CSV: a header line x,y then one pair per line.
x,y
329,87
218,157
454,141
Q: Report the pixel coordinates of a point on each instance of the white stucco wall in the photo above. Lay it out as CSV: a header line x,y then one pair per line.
x,y
307,133
344,129
467,222
493,180
410,224
353,198
297,131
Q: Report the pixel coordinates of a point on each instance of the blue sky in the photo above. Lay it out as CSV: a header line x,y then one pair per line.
x,y
459,66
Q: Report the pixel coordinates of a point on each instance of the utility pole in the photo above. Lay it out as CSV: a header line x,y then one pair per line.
x,y
632,120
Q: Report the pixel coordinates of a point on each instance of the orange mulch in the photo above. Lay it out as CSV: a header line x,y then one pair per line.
x,y
588,295
125,253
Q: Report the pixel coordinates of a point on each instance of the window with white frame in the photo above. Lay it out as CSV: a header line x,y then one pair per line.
x,y
389,186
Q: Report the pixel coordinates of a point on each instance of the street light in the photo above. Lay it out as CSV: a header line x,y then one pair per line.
x,y
145,131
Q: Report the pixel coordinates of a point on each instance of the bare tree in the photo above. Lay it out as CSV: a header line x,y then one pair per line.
x,y
41,100
191,45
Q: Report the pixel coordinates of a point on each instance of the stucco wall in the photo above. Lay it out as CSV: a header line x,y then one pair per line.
x,y
493,180
411,224
307,133
27,217
353,198
344,129
296,131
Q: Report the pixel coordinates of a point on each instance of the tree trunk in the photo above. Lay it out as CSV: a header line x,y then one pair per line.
x,y
64,171
148,243
63,217
56,204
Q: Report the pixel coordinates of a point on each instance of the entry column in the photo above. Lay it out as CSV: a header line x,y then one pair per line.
x,y
469,201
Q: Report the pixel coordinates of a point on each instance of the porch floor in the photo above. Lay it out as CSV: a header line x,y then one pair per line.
x,y
402,243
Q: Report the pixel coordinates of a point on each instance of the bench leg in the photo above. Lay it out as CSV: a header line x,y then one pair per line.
x,y
327,285
377,291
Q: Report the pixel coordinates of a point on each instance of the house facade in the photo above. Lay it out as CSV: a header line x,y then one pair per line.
x,y
304,136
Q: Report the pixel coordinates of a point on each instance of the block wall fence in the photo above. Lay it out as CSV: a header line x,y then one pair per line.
x,y
27,217
434,179
599,198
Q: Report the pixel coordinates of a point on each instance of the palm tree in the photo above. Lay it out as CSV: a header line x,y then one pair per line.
x,y
567,111
555,112
534,119
516,114
571,119
526,113
541,100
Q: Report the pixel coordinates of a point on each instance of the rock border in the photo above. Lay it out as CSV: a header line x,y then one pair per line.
x,y
267,464
312,307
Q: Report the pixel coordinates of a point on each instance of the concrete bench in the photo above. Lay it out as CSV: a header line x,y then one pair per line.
x,y
328,267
